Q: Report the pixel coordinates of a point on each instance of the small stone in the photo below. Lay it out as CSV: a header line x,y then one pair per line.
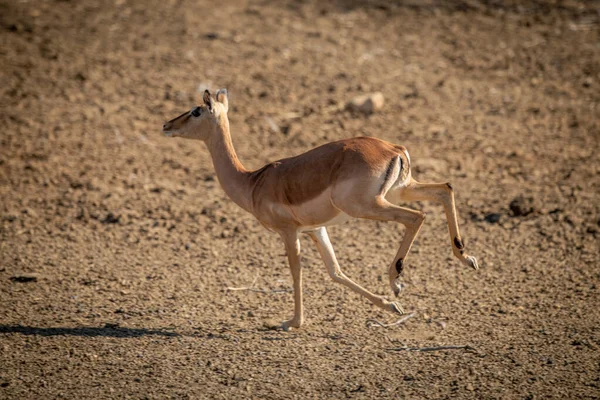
x,y
522,206
493,218
271,325
24,278
367,103
436,130
291,130
10,217
587,82
111,219
470,387
273,127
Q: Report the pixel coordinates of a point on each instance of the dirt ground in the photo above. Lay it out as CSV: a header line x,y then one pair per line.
x,y
119,248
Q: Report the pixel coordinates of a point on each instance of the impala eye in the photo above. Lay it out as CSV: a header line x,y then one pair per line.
x,y
196,111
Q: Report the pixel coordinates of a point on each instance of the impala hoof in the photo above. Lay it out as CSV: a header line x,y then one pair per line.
x,y
397,287
287,325
471,262
396,307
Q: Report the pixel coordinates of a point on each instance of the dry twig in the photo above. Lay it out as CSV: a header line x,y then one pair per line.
x,y
269,291
374,322
427,349
251,288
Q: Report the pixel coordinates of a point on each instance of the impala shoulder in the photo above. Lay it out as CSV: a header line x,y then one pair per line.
x,y
261,171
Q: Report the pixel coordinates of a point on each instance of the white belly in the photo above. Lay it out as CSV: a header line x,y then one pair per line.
x,y
338,219
318,212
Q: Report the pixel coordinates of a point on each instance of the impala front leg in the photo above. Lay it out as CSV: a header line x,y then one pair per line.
x,y
292,248
321,240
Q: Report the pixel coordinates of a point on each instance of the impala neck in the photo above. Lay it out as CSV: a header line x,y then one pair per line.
x,y
232,175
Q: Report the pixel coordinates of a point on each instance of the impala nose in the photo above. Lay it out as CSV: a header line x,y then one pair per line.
x,y
167,126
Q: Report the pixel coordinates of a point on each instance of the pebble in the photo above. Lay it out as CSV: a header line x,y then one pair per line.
x,y
493,218
367,103
24,278
522,206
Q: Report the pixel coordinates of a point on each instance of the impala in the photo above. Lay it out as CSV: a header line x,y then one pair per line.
x,y
352,178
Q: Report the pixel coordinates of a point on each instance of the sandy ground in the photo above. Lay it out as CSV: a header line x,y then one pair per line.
x,y
118,245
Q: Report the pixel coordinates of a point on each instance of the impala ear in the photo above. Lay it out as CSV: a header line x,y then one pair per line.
x,y
223,98
208,100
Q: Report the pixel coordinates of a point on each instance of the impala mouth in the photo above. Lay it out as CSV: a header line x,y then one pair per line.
x,y
169,133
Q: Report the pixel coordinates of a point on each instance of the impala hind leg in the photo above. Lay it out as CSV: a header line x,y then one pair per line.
x,y
442,193
292,248
383,210
325,249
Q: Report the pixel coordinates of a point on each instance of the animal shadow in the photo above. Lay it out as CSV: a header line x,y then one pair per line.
x,y
108,330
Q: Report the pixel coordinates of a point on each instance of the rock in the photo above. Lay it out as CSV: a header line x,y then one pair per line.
x,y
271,325
436,130
493,218
24,278
111,219
273,127
291,130
10,218
522,206
367,103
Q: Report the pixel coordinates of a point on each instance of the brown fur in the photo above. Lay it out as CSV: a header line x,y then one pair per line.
x,y
296,180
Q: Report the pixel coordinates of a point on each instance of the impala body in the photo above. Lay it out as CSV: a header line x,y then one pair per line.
x,y
352,178
307,191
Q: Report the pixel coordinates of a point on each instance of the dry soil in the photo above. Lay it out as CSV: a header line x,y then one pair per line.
x,y
119,248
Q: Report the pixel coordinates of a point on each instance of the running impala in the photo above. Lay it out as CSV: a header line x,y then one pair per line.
x,y
361,177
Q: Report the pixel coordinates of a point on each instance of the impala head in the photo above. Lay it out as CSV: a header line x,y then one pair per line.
x,y
200,121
